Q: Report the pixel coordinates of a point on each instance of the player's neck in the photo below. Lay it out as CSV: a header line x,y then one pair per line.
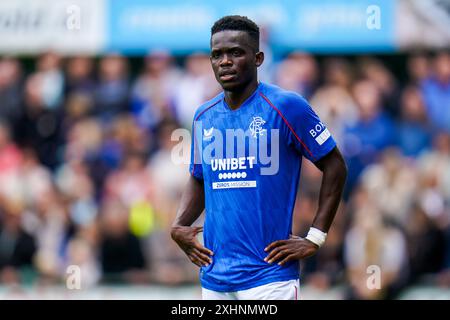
x,y
235,99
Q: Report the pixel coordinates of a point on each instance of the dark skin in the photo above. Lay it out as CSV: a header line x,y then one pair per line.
x,y
334,175
191,207
235,59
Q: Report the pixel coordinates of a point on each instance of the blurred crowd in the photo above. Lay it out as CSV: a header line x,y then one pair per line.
x,y
86,176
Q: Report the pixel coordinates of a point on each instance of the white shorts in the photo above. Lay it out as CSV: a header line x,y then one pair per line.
x,y
281,290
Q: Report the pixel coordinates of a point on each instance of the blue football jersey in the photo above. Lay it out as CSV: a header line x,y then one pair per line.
x,y
250,160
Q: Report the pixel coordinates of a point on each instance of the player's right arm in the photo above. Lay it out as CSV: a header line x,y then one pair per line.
x,y
191,207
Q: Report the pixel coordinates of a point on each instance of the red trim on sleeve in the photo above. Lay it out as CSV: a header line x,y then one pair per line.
x,y
193,131
287,123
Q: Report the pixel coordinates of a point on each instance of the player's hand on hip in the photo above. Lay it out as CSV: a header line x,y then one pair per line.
x,y
186,238
295,248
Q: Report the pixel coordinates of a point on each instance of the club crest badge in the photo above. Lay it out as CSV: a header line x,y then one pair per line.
x,y
256,127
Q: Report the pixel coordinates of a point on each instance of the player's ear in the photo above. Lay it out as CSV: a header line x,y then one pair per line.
x,y
259,58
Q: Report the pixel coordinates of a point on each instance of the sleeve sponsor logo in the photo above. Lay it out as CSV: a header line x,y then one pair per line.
x,y
320,133
323,137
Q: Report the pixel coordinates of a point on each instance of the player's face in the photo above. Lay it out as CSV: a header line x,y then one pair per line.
x,y
234,60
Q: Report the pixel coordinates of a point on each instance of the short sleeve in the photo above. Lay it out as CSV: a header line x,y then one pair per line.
x,y
195,167
307,133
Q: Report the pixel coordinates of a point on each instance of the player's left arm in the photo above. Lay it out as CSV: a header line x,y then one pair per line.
x,y
312,140
334,172
334,175
310,137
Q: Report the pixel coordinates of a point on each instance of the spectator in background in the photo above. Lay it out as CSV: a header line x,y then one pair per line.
x,y
121,253
266,70
195,86
49,223
436,92
78,107
426,244
434,167
35,179
83,149
82,254
169,175
132,189
40,126
434,195
169,264
109,144
10,90
338,72
375,71
128,136
391,185
10,164
299,73
131,183
414,131
373,131
154,89
17,247
371,241
112,93
333,101
418,68
75,183
79,76
51,80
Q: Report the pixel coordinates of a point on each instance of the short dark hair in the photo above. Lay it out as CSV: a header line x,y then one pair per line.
x,y
238,23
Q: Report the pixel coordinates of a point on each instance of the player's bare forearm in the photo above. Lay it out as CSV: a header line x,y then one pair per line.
x,y
191,207
334,176
333,180
192,203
